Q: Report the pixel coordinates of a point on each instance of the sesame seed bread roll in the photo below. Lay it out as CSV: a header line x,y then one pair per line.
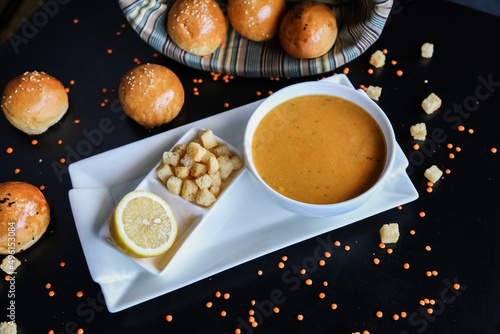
x,y
257,20
24,216
308,30
197,26
34,101
151,95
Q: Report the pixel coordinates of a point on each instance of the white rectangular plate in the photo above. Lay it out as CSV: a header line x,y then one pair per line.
x,y
243,225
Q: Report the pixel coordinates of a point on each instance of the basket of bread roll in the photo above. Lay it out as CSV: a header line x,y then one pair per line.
x,y
259,38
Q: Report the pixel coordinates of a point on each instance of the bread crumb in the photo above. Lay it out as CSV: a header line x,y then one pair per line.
x,y
9,264
433,173
431,103
418,131
374,92
377,59
427,50
8,327
389,233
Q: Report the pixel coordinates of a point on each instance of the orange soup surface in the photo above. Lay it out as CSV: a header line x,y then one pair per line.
x,y
319,149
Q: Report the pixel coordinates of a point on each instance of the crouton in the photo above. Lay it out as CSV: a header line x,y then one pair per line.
x,y
9,264
389,233
164,171
431,103
236,161
198,169
204,181
377,59
208,139
196,151
225,166
433,173
427,50
418,131
174,185
189,190
171,158
221,150
374,92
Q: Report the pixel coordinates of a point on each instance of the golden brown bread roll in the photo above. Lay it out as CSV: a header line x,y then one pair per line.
x,y
196,26
257,20
34,101
151,94
308,30
24,216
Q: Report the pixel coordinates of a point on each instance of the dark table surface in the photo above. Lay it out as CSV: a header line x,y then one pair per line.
x,y
461,221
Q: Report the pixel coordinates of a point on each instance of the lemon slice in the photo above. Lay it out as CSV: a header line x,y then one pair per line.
x,y
143,224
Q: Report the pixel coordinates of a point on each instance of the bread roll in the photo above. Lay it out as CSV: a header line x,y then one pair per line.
x,y
308,30
24,216
34,101
151,95
257,20
196,26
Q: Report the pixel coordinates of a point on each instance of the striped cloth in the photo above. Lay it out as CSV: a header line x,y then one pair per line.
x,y
360,24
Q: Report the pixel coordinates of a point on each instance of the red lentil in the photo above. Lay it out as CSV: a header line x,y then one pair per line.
x,y
79,294
9,150
493,150
259,272
322,262
276,310
337,243
226,295
456,286
422,214
381,245
461,128
389,250
395,317
218,294
347,248
406,266
51,293
223,313
321,295
17,171
328,254
379,314
281,265
300,317
80,331
309,281
399,73
62,264
334,306
376,261
169,318
370,71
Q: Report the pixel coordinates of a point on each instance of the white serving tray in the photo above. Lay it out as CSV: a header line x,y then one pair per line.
x,y
242,226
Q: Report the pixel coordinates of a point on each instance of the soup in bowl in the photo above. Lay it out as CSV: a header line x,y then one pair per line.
x,y
319,148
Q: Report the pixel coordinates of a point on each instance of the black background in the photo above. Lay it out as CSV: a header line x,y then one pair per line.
x,y
461,221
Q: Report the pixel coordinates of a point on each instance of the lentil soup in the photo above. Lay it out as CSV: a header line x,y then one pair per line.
x,y
319,149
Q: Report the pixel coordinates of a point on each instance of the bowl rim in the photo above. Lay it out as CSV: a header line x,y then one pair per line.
x,y
348,93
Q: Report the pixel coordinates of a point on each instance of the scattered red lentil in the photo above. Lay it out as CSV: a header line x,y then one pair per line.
x,y
334,306
226,105
276,310
104,90
346,70
456,286
51,293
62,160
259,272
110,51
493,150
322,262
218,294
17,171
223,313
309,281
406,266
370,71
325,283
412,232
42,187
379,314
337,243
258,93
9,150
75,21
80,331
399,73
79,294
452,156
376,261
209,304
430,311
51,332
428,248
434,273
381,245
227,295
300,317
389,250
347,248
366,332
251,319
458,149
448,171
48,286
169,318
430,184
395,317
471,131
321,295
416,147
77,121
394,62
422,214
270,92
428,273
461,128
72,82
281,265
328,255
404,314
34,142
429,190
251,312
118,33
399,207
450,146
62,264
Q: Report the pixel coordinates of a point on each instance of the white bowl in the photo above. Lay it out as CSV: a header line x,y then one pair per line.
x,y
319,88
